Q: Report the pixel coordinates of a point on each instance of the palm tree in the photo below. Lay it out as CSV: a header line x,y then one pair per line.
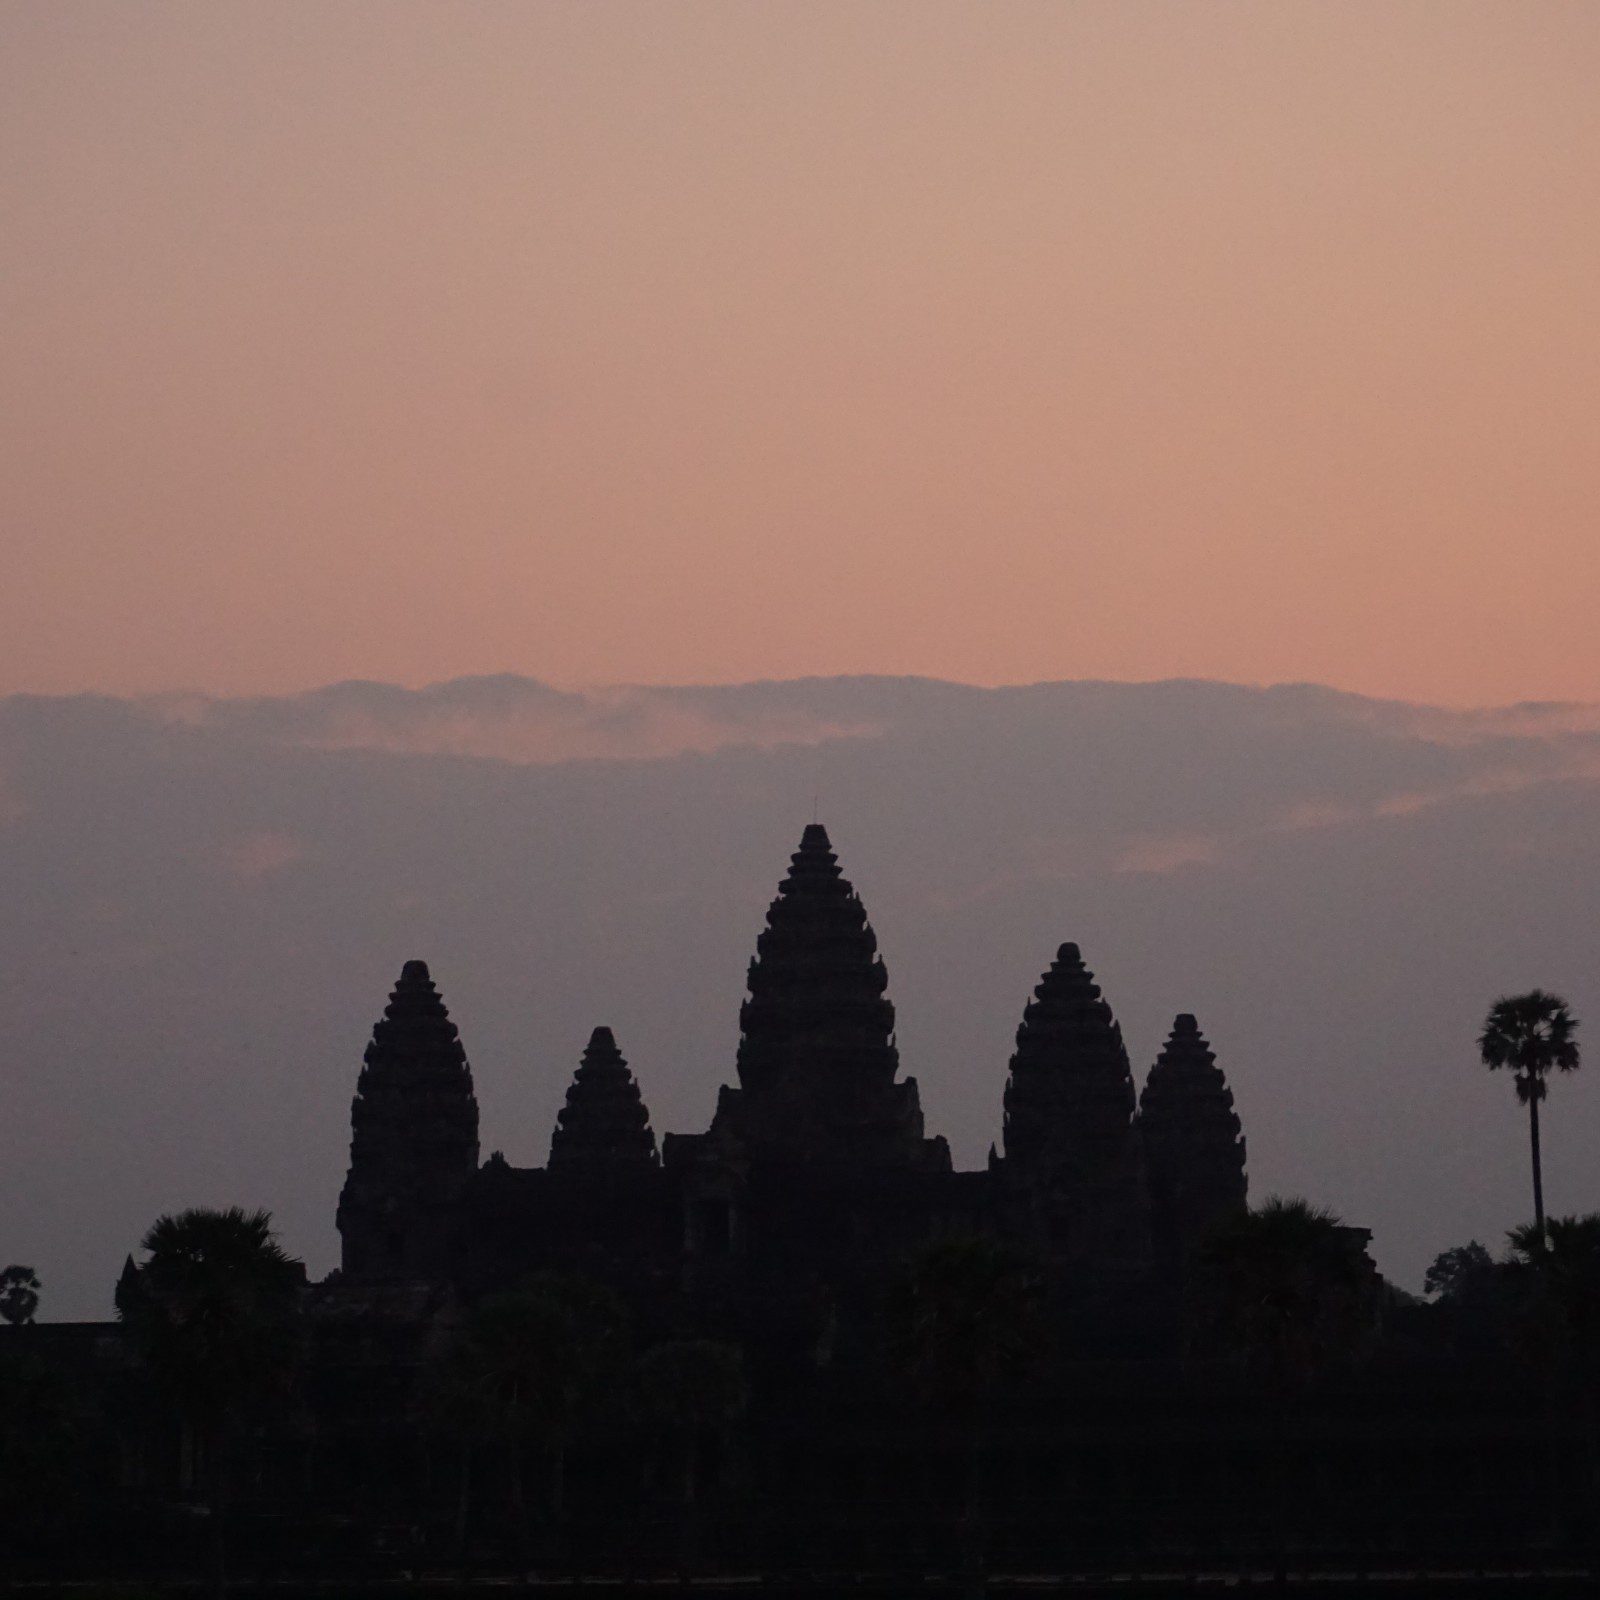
x,y
1287,1289
212,1312
692,1389
459,1409
19,1294
1285,1286
1532,1034
969,1317
1559,1266
527,1360
48,1452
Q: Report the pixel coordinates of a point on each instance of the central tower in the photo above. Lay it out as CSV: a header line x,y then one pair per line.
x,y
817,1059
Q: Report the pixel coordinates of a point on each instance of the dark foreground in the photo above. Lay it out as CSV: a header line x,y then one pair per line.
x,y
1442,1585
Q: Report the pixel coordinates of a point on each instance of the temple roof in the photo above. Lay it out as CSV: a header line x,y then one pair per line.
x,y
604,1126
414,1099
817,1060
817,981
1070,1076
415,1035
1192,1140
1186,1089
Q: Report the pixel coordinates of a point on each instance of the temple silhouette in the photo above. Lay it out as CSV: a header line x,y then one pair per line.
x,y
788,1344
817,1173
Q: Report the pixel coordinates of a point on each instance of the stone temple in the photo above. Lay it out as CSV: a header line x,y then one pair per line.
x,y
817,1172
781,1245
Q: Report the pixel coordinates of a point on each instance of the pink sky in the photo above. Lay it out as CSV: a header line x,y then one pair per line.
x,y
682,341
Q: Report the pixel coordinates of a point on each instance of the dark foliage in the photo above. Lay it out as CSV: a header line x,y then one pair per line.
x,y
1285,1288
1460,1274
19,1294
967,1317
213,1308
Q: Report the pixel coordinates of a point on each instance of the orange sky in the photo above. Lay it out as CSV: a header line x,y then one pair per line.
x,y
676,341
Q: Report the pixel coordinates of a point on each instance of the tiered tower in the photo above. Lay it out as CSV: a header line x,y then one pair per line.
x,y
414,1140
1071,1151
1193,1143
604,1128
817,1059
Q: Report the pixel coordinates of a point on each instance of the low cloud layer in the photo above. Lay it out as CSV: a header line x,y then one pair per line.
x,y
207,900
514,719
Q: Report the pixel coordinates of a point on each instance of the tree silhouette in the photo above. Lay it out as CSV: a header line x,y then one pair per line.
x,y
1457,1274
1560,1268
1286,1289
968,1317
1532,1034
1563,1263
212,1311
692,1390
459,1407
47,1455
19,1294
525,1362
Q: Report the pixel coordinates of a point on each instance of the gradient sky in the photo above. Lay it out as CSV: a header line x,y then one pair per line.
x,y
673,342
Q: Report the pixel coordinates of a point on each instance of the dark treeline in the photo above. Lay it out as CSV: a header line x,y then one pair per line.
x,y
965,1417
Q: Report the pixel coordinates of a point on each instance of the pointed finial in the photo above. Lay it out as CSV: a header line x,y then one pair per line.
x,y
125,1296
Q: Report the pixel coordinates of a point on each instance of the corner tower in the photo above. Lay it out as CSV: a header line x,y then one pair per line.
x,y
414,1140
817,1058
1193,1143
1071,1151
604,1128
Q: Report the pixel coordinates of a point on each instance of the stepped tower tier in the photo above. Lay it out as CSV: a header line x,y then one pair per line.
x,y
817,1060
1070,1145
414,1140
604,1127
1194,1146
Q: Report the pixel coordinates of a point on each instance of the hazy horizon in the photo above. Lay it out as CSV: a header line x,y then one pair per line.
x,y
296,689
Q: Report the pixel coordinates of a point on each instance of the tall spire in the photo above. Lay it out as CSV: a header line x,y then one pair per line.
x,y
126,1295
604,1126
1194,1145
414,1136
817,984
1070,1079
1068,1119
817,1057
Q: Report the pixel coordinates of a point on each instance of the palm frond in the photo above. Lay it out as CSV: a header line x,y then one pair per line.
x,y
1532,1034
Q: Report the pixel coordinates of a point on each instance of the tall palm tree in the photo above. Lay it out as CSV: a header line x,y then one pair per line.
x,y
532,1357
1284,1286
1532,1034
1287,1289
692,1390
969,1316
1559,1269
213,1313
